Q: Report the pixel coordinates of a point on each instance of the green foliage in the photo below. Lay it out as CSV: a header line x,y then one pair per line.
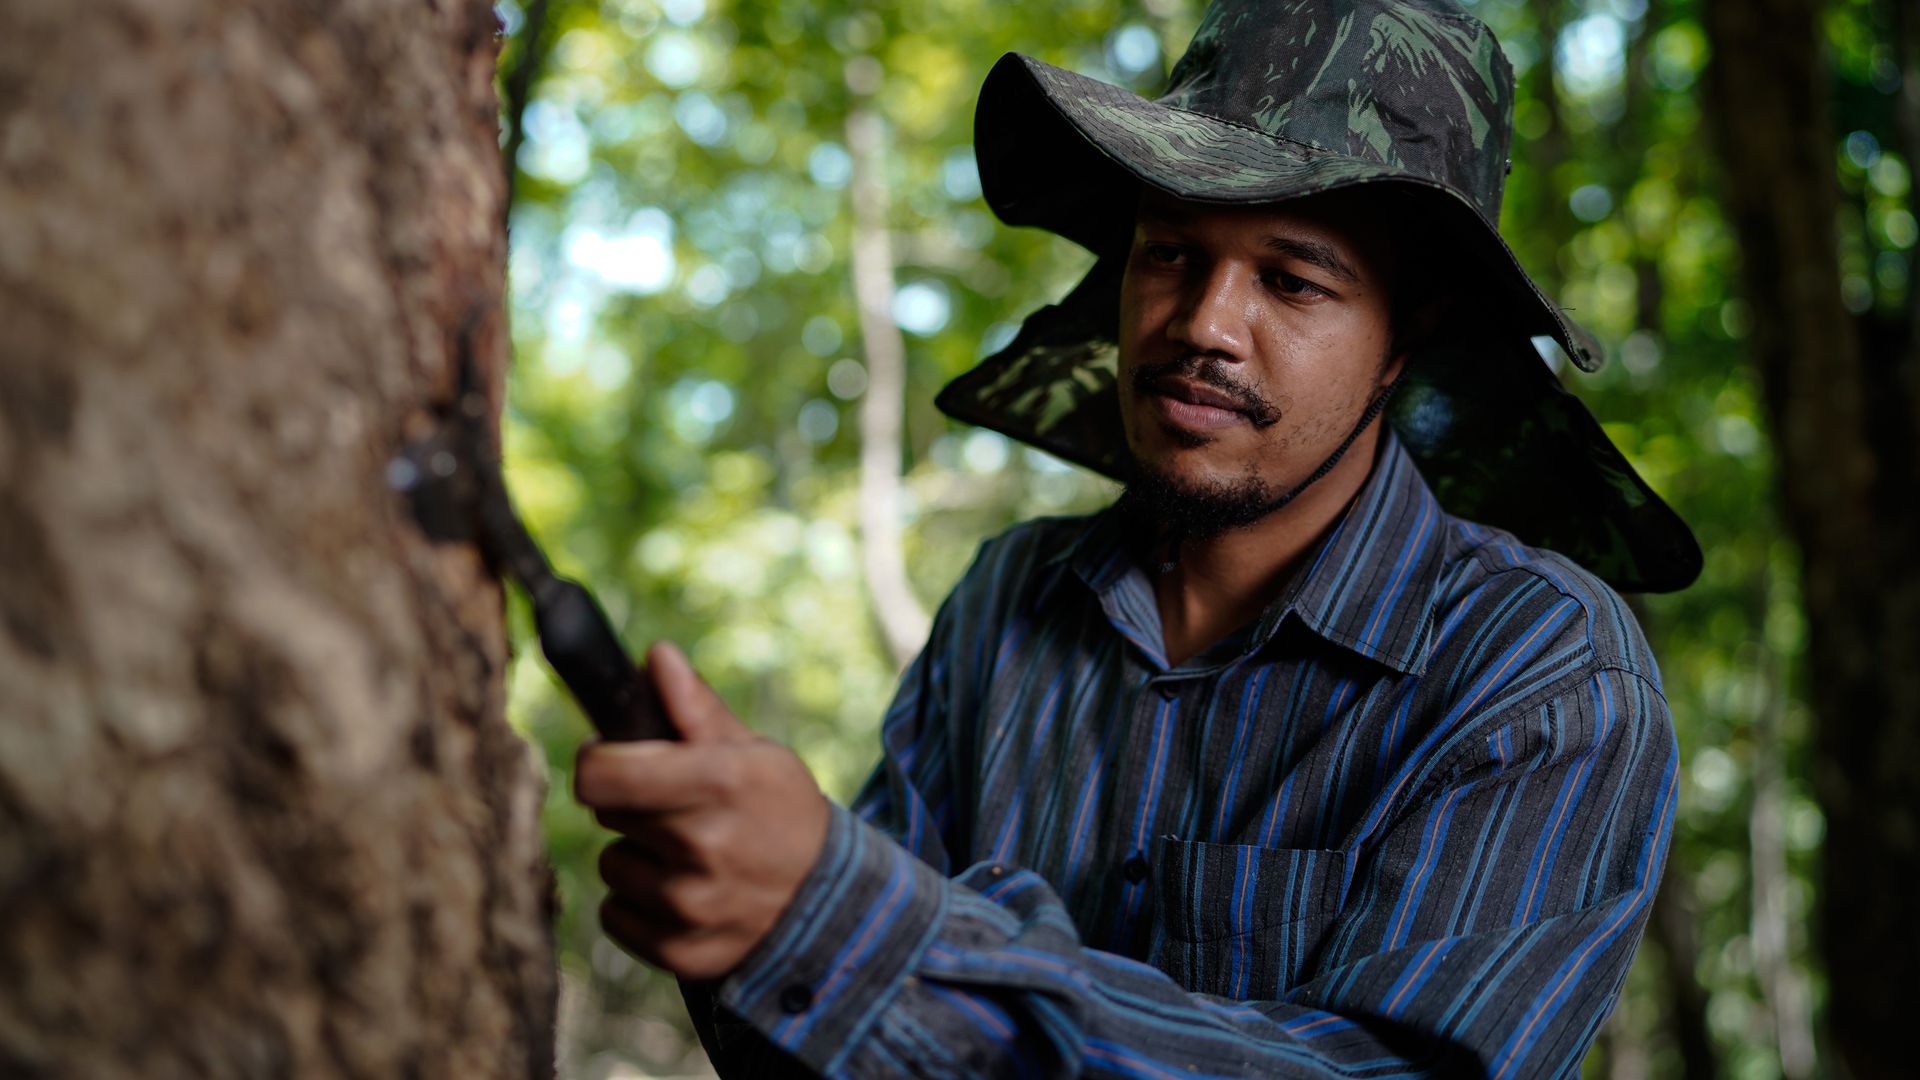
x,y
682,427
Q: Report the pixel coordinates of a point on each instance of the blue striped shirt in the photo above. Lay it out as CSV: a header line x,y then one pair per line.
x,y
1410,820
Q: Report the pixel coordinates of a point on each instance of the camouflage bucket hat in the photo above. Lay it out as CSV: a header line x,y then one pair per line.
x,y
1278,101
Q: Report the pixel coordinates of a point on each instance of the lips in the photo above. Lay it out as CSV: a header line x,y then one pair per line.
x,y
1198,393
1195,407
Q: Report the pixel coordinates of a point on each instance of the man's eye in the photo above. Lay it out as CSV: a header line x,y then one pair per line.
x,y
1161,254
1281,281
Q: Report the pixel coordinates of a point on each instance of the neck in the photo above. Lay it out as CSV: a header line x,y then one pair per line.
x,y
1223,582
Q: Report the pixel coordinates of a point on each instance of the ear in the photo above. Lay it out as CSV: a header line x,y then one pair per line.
x,y
1394,365
1423,327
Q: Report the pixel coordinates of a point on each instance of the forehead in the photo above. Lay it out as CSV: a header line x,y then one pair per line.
x,y
1341,231
1347,220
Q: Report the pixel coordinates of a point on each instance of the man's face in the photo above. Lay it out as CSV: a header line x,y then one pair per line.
x,y
1251,341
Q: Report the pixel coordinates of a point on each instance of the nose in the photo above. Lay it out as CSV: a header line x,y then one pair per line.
x,y
1212,316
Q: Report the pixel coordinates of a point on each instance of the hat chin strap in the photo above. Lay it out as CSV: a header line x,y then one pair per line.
x,y
1176,535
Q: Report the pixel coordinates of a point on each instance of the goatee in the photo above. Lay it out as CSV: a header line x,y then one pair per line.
x,y
1163,510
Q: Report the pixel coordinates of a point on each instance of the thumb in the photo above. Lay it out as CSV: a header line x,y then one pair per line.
x,y
695,709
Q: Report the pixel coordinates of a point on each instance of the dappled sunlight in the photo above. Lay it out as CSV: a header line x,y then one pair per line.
x,y
684,429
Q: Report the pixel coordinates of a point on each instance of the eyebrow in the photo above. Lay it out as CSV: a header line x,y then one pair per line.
x,y
1315,253
1312,252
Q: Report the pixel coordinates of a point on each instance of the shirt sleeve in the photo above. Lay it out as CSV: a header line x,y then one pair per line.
x,y
1440,961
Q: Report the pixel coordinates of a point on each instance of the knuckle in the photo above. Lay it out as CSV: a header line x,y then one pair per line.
x,y
780,763
729,776
709,839
689,899
710,831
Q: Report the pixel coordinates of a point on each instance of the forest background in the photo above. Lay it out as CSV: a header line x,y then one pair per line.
x,y
697,187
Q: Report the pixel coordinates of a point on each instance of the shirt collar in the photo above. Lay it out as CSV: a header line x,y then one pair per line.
x,y
1367,587
1370,585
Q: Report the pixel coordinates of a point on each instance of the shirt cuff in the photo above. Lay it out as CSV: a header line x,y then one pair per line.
x,y
842,949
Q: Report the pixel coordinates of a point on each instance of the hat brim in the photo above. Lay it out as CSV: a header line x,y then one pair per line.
x,y
1494,433
1066,153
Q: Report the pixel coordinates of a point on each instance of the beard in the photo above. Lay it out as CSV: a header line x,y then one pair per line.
x,y
1158,505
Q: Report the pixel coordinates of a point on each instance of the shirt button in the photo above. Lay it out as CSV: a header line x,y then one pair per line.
x,y
796,999
1168,690
1135,869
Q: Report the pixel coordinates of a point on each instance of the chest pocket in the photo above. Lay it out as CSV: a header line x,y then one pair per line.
x,y
1237,921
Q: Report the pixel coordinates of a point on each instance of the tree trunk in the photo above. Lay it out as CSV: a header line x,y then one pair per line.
x,y
1685,1000
1845,433
904,623
1788,1001
1546,154
260,814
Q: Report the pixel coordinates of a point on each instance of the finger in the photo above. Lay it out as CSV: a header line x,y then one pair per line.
x,y
676,896
627,870
694,954
696,710
635,875
613,775
637,926
669,902
656,837
632,823
657,777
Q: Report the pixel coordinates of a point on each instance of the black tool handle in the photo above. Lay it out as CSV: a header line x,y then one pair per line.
x,y
618,697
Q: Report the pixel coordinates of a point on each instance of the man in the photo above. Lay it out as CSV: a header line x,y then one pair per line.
x,y
1275,767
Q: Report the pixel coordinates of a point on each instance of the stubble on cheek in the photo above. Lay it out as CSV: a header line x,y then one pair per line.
x,y
1325,428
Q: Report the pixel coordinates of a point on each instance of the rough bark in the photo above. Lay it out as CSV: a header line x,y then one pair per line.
x,y
1843,412
260,814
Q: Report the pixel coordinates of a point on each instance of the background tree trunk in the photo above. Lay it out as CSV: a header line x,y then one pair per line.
x,y
1674,928
260,814
1846,427
904,623
1789,1003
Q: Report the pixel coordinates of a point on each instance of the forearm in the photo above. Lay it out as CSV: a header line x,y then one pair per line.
x,y
885,968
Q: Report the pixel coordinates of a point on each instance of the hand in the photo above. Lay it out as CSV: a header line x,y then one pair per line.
x,y
717,831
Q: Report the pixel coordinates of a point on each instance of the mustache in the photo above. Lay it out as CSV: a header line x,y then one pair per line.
x,y
1211,371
